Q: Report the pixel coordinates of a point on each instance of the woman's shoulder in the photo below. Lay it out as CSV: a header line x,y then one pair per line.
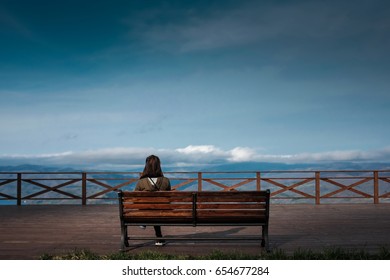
x,y
165,184
142,179
164,179
142,184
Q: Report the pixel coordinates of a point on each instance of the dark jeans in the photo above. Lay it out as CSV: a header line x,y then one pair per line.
x,y
157,230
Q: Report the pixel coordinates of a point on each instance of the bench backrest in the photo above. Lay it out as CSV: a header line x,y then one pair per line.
x,y
196,208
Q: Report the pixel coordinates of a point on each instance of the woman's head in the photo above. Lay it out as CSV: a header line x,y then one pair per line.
x,y
152,167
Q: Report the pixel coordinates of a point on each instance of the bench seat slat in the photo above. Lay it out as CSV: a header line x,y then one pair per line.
x,y
230,199
231,194
156,199
156,194
160,221
157,213
227,213
201,206
171,206
231,220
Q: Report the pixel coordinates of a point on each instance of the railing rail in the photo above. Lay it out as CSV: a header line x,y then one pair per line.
x,y
314,187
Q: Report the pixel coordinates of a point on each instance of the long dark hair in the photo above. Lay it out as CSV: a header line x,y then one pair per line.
x,y
152,167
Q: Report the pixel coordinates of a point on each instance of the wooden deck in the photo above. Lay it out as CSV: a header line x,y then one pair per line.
x,y
27,232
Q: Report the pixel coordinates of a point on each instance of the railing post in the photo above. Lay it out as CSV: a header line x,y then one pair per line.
x,y
258,181
19,190
318,187
84,188
376,187
199,181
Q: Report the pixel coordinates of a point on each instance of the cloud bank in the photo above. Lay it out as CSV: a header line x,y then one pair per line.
x,y
191,155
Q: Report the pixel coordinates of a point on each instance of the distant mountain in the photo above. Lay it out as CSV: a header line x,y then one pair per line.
x,y
256,166
227,167
36,168
267,166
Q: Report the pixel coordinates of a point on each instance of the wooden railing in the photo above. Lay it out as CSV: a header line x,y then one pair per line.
x,y
313,187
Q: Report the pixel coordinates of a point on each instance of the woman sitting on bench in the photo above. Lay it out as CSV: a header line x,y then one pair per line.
x,y
152,179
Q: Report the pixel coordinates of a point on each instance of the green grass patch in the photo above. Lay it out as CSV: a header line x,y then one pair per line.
x,y
277,254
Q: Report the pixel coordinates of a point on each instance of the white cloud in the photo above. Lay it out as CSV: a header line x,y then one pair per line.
x,y
351,155
240,154
203,149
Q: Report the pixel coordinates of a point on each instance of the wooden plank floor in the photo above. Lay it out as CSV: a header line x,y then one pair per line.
x,y
28,232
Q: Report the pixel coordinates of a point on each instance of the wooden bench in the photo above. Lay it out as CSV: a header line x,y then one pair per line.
x,y
186,208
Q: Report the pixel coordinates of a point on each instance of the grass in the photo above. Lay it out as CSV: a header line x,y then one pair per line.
x,y
300,254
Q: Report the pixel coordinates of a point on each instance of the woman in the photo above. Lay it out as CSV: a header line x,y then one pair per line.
x,y
152,179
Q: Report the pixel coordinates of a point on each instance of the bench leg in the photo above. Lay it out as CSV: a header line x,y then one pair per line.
x,y
124,237
265,240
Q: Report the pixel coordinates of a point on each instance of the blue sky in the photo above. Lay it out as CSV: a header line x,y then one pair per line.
x,y
194,81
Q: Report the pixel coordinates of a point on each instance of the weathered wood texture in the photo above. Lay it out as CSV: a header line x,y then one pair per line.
x,y
195,207
247,208
28,232
319,187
